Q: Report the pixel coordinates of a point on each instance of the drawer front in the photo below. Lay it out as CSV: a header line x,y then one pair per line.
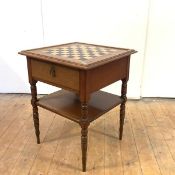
x,y
57,75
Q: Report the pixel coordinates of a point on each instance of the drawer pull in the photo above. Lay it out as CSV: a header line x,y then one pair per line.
x,y
52,71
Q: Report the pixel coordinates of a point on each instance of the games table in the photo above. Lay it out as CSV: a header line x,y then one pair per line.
x,y
81,70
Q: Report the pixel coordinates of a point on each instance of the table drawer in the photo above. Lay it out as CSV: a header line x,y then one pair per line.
x,y
57,75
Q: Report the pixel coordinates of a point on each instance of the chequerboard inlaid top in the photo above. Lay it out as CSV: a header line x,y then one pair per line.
x,y
80,52
77,54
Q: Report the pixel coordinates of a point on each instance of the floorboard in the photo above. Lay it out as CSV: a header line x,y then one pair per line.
x,y
147,147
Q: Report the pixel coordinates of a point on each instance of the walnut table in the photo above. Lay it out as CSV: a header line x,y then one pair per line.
x,y
81,70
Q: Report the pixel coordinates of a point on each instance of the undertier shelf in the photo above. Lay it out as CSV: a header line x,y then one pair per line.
x,y
67,104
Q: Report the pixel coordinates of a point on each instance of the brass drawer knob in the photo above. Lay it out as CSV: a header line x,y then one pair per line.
x,y
53,71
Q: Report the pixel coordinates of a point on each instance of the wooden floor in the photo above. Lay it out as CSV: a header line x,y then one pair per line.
x,y
147,148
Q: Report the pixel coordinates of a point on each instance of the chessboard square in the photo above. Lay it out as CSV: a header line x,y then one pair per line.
x,y
88,58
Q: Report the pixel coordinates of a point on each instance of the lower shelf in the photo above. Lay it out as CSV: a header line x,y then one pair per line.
x,y
67,104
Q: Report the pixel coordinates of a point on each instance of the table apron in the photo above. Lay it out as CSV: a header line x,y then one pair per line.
x,y
107,74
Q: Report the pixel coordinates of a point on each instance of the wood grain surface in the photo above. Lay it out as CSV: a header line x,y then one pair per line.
x,y
56,75
147,147
68,104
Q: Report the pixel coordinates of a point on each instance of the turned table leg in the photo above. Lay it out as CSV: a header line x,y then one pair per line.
x,y
122,107
35,110
84,134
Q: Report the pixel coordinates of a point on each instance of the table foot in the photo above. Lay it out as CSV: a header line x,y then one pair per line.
x,y
84,134
35,111
122,107
84,140
122,116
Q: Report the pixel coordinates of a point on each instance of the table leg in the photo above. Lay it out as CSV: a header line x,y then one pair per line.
x,y
122,107
35,110
84,134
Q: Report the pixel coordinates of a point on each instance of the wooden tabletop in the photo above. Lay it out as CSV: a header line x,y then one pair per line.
x,y
79,55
